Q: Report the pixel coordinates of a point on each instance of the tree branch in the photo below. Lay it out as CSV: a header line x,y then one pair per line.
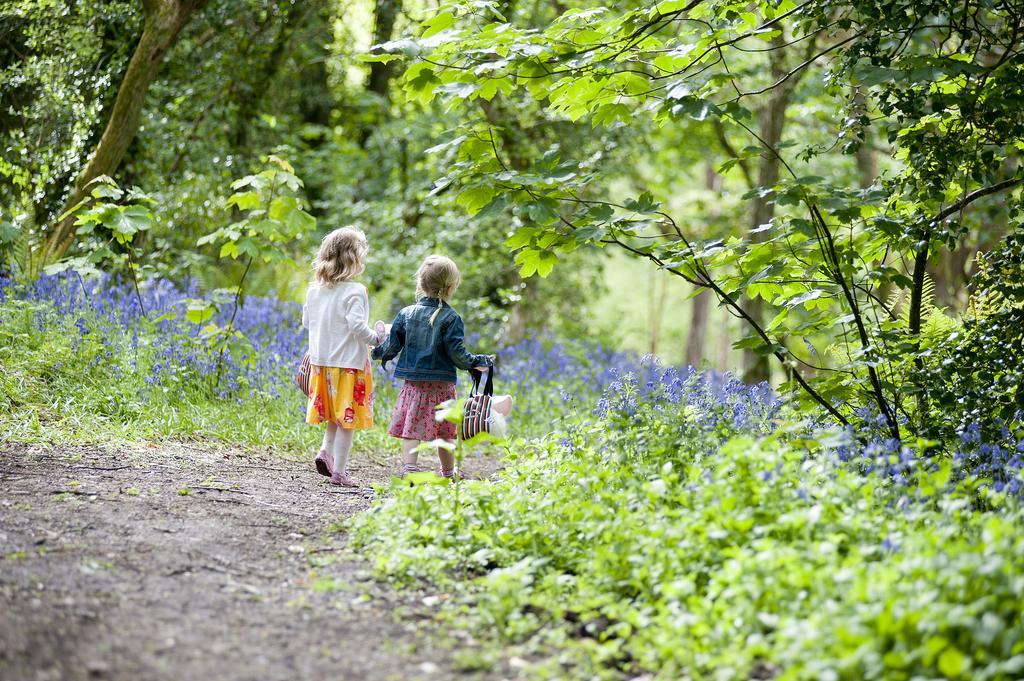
x,y
727,146
975,195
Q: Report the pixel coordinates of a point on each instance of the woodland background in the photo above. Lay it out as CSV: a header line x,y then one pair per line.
x,y
753,270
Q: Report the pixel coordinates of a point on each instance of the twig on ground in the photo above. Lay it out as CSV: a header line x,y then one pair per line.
x,y
220,489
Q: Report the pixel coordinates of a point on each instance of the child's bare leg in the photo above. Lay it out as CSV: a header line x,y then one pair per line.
x,y
447,458
342,447
409,455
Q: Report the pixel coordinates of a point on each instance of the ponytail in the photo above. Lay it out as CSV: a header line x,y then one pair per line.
x,y
436,312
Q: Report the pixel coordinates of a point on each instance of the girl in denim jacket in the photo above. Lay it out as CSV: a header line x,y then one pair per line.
x,y
428,338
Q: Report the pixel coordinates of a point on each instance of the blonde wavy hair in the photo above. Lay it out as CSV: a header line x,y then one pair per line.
x,y
342,257
438,277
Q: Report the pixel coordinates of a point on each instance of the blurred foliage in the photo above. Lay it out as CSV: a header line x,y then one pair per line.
x,y
973,376
244,78
59,68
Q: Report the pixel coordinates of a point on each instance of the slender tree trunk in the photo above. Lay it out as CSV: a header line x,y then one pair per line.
x,y
656,309
379,83
164,20
384,14
725,333
867,162
696,336
867,165
772,122
698,331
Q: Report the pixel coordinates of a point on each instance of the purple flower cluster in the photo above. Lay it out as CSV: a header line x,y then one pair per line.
x,y
998,466
113,316
1002,463
558,386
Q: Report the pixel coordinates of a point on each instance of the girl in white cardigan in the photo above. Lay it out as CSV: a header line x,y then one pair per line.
x,y
336,313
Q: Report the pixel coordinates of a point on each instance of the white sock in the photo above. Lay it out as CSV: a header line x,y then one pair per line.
x,y
409,453
328,443
342,447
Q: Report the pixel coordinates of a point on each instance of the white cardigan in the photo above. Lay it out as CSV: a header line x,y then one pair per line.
x,y
337,317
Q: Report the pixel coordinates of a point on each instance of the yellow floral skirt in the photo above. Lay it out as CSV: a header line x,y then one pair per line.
x,y
344,396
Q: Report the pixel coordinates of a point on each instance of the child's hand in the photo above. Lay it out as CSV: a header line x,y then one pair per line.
x,y
486,368
382,331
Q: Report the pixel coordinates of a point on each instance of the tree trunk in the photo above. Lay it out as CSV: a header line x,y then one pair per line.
x,y
164,20
772,123
867,163
696,336
656,309
384,15
379,83
253,90
698,331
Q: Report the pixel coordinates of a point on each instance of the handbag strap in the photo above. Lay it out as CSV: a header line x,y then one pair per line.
x,y
488,385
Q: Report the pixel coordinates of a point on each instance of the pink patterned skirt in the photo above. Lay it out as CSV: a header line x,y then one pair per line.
x,y
414,414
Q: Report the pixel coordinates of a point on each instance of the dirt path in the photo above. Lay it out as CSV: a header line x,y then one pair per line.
x,y
185,563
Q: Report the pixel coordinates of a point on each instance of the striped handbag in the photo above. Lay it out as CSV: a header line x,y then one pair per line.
x,y
302,378
476,413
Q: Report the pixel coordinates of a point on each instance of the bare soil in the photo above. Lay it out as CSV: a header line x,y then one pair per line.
x,y
177,562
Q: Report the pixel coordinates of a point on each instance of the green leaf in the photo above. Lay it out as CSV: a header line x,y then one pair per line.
x,y
250,247
281,207
777,321
528,261
475,198
379,58
107,191
421,82
8,233
645,203
543,211
230,248
127,221
199,311
494,208
244,200
590,233
459,90
437,23
299,222
805,297
952,662
521,237
546,263
601,212
254,181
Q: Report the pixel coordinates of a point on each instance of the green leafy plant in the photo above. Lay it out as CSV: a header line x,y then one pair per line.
x,y
111,220
633,547
272,215
973,373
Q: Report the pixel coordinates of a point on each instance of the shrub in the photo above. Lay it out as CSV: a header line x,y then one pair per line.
x,y
689,531
974,376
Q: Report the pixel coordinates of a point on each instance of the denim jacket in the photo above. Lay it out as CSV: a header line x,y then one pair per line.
x,y
428,352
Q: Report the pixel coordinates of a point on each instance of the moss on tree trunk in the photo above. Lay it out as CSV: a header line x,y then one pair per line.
x,y
164,20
